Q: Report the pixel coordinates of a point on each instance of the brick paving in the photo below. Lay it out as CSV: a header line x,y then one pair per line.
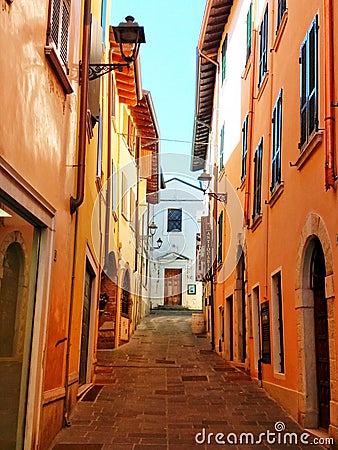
x,y
163,388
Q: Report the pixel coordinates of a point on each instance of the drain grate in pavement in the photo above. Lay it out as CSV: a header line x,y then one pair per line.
x,y
91,395
206,352
77,447
194,378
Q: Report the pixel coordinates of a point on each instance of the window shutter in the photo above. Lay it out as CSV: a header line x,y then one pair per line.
x,y
265,320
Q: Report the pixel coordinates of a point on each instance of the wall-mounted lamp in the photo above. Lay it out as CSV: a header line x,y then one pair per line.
x,y
205,178
129,35
152,228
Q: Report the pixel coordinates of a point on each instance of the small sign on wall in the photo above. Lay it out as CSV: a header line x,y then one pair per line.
x,y
191,289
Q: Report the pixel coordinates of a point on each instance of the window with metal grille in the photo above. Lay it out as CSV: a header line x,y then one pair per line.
x,y
60,27
224,57
244,145
263,47
174,220
280,11
276,143
309,84
258,180
220,238
249,32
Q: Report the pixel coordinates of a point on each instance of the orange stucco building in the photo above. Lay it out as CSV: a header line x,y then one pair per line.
x,y
266,130
69,265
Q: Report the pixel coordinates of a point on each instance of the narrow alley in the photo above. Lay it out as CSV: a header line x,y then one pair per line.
x,y
166,389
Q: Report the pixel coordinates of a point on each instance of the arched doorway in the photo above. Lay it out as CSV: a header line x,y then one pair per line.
x,y
322,354
316,331
108,304
241,306
126,307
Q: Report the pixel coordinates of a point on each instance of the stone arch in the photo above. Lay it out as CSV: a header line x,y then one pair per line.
x,y
13,252
108,304
314,233
241,306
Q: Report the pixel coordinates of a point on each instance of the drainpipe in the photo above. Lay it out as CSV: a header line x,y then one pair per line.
x,y
250,131
76,202
329,121
109,167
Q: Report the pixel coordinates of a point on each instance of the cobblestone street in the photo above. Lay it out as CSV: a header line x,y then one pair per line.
x,y
166,390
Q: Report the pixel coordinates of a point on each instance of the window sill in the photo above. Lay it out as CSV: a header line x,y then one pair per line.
x,y
280,31
261,86
56,65
308,149
276,193
256,222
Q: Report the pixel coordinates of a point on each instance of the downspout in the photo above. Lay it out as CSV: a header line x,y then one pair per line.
x,y
75,203
109,167
250,131
329,121
81,163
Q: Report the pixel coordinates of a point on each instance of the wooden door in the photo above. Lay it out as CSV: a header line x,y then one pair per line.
x,y
322,339
85,328
172,287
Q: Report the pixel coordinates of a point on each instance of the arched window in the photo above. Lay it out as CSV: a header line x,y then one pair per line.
x,y
9,298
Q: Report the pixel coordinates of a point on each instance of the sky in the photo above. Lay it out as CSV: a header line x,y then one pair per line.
x,y
168,66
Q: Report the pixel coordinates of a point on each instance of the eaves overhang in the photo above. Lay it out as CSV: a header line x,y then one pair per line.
x,y
145,121
216,15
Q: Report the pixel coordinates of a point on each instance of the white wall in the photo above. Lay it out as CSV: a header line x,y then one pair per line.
x,y
179,248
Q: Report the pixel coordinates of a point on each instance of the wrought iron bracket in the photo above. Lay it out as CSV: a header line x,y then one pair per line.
x,y
98,70
223,198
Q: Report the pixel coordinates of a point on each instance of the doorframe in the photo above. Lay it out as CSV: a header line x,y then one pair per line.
x,y
90,262
164,284
314,227
33,207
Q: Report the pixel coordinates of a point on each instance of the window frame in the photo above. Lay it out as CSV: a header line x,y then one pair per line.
x,y
249,32
263,47
224,57
276,154
220,226
57,45
170,221
245,127
308,61
277,323
281,8
258,165
221,149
